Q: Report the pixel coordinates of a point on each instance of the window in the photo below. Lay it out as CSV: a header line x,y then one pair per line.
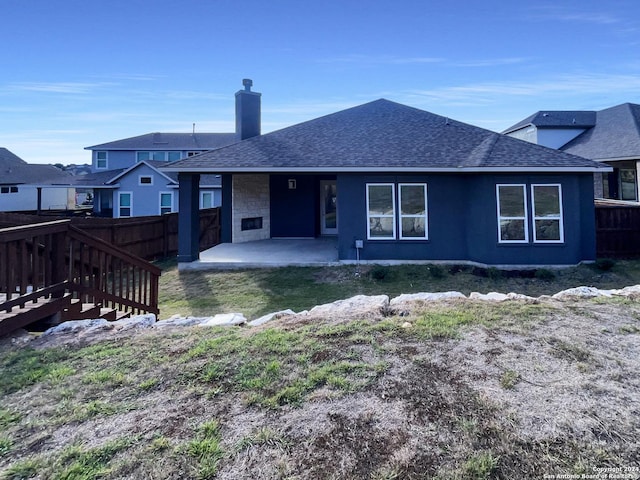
x,y
381,211
547,213
101,159
124,204
12,189
145,180
628,184
206,200
166,202
413,211
512,214
158,156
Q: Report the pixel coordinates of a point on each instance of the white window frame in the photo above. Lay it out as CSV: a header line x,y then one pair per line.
x,y
392,215
106,159
526,212
130,207
202,194
559,217
160,207
140,177
402,216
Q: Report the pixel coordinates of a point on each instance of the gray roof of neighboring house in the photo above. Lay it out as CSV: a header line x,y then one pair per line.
x,y
15,171
8,158
170,141
95,179
382,136
102,179
616,135
557,119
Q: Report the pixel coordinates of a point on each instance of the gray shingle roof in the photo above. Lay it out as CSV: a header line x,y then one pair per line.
x,y
557,119
170,141
15,171
616,134
382,136
8,159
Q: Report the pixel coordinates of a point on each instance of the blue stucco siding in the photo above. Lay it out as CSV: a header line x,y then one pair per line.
x,y
463,224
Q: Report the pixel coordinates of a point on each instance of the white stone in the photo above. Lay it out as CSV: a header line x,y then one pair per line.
x,y
520,296
490,297
224,320
75,326
137,321
271,316
177,321
358,305
630,291
581,292
424,297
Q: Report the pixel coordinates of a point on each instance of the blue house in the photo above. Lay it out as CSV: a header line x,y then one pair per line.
x,y
125,175
610,136
392,182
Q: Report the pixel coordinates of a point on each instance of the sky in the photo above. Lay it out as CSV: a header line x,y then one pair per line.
x,y
77,73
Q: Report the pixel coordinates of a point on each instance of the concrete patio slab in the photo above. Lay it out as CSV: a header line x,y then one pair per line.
x,y
276,252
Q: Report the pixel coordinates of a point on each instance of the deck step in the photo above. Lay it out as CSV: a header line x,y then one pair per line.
x,y
32,312
81,311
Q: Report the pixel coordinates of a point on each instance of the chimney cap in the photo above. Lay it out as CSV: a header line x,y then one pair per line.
x,y
248,83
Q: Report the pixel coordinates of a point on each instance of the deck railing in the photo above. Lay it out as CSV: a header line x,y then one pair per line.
x,y
51,260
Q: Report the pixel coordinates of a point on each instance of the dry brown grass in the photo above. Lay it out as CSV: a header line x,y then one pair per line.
x,y
405,403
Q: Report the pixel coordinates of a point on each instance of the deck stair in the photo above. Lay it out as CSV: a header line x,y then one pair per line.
x,y
55,271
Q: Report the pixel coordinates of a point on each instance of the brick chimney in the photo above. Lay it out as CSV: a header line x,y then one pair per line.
x,y
247,111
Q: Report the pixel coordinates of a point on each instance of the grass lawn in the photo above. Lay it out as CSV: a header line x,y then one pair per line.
x,y
260,291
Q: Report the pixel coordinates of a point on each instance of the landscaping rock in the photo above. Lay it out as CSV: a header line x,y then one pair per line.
x,y
490,297
354,306
224,320
137,321
632,291
581,292
177,321
78,326
424,297
271,316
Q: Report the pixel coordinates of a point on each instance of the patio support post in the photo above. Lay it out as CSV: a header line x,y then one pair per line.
x,y
188,217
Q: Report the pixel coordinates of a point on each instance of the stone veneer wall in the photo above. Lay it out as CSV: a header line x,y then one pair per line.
x,y
250,199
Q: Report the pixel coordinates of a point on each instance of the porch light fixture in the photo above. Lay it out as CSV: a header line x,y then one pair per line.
x,y
292,184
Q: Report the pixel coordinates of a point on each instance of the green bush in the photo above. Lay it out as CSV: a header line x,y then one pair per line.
x,y
604,264
437,271
380,272
545,274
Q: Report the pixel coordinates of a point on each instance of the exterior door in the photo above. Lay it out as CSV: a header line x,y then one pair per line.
x,y
328,207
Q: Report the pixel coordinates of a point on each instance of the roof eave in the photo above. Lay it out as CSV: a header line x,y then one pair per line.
x,y
575,169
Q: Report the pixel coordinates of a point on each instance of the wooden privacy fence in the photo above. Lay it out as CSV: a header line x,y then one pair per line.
x,y
146,237
618,231
53,267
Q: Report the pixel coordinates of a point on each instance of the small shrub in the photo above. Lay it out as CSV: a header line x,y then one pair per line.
x,y
380,272
437,271
604,264
545,274
493,273
509,379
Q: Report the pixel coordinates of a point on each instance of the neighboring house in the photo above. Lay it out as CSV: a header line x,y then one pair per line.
x,y
143,190
122,189
610,136
392,182
33,187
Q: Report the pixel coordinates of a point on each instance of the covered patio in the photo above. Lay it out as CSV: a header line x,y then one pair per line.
x,y
275,252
